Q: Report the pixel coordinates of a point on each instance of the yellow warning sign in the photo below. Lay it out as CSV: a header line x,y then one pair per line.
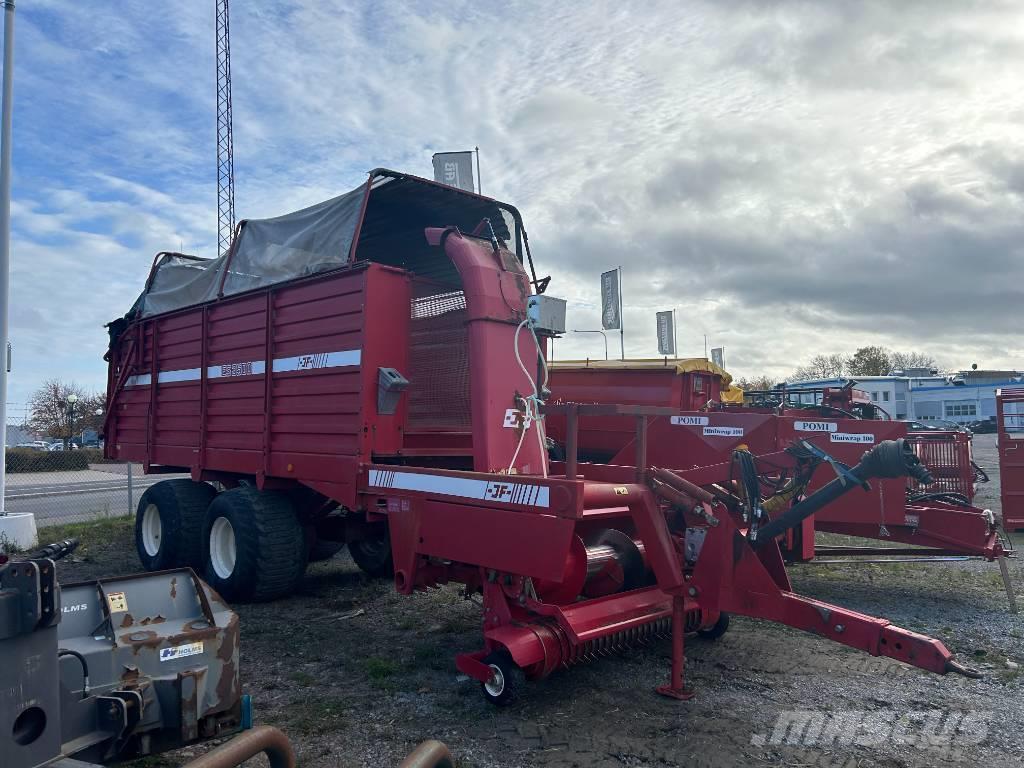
x,y
621,490
118,602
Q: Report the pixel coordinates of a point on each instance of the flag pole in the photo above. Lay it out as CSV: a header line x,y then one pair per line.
x,y
5,229
675,335
622,324
479,186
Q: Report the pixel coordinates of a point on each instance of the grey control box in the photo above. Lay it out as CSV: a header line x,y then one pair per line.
x,y
546,313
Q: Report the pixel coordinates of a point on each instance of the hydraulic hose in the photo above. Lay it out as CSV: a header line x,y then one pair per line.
x,y
888,459
55,551
85,668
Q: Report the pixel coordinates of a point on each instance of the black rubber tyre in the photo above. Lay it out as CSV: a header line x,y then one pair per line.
x,y
323,549
508,682
256,548
373,556
169,524
718,629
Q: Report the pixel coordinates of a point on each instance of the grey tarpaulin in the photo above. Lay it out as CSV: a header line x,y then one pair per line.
x,y
268,251
319,238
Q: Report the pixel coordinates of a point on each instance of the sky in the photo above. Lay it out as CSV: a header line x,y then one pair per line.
x,y
793,178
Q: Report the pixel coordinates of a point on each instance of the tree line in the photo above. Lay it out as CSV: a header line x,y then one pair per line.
x,y
865,361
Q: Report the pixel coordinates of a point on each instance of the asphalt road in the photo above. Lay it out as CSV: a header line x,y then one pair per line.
x,y
65,500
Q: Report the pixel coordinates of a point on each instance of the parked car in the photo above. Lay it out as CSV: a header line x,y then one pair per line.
x,y
35,445
983,427
934,425
59,446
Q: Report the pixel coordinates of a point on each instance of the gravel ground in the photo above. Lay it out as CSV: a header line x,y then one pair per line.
x,y
357,675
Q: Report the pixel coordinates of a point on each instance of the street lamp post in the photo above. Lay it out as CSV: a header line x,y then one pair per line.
x,y
605,335
72,399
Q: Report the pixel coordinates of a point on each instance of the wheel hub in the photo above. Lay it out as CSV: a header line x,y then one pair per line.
x,y
152,530
223,551
496,685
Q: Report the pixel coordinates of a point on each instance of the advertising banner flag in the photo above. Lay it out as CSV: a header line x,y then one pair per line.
x,y
666,333
455,169
610,303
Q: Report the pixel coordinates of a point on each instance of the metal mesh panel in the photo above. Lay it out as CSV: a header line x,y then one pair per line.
x,y
439,361
948,456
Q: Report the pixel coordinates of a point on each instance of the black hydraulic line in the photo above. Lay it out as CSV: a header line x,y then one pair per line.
x,y
55,551
980,475
848,414
85,668
888,459
946,497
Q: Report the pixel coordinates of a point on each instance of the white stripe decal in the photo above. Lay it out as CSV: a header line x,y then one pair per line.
x,y
508,492
187,374
318,360
312,362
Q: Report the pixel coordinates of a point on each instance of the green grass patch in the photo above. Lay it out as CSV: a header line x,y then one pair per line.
x,y
379,669
317,716
92,533
8,547
303,678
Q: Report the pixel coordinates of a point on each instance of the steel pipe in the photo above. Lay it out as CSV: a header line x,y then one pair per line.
x,y
429,754
266,739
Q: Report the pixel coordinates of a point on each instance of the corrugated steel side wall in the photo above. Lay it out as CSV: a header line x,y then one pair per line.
x,y
276,404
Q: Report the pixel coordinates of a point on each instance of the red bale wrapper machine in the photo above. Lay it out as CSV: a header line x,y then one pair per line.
x,y
371,372
697,420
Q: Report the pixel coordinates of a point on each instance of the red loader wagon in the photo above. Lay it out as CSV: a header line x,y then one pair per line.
x,y
1010,424
370,372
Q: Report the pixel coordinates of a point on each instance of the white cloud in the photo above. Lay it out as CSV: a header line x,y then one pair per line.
x,y
795,178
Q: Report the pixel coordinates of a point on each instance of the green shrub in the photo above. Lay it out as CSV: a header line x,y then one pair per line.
x,y
27,460
95,456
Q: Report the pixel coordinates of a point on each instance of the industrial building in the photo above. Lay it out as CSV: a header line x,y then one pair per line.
x,y
924,395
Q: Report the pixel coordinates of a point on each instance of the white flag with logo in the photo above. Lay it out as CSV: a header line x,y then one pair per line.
x,y
666,333
610,300
455,169
718,356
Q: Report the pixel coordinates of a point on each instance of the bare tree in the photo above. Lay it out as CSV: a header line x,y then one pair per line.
x,y
822,367
50,411
901,361
756,383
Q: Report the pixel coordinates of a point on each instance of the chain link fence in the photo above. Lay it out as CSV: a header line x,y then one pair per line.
x,y
76,486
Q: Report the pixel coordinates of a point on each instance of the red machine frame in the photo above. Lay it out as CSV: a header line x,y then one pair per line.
x,y
707,436
280,386
521,554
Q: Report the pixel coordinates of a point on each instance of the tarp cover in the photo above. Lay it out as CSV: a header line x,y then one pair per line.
x,y
268,251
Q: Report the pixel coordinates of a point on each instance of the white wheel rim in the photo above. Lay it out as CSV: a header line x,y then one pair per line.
x,y
496,685
152,530
222,547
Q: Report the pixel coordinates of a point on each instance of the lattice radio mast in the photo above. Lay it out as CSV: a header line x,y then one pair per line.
x,y
225,133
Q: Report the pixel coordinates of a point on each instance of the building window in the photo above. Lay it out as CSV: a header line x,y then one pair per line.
x,y
874,396
961,409
698,384
885,396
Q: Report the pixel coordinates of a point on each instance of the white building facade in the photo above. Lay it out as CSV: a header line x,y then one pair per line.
x,y
965,397
887,392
